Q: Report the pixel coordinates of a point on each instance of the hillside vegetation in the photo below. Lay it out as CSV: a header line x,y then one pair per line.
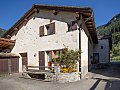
x,y
112,28
2,31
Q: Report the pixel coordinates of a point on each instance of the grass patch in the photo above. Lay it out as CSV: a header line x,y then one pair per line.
x,y
116,58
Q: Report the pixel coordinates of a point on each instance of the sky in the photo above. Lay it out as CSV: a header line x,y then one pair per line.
x,y
12,10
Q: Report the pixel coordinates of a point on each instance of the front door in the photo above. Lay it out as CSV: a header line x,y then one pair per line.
x,y
24,59
96,57
41,60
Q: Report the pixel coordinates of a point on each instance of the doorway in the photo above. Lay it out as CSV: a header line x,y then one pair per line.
x,y
24,59
41,60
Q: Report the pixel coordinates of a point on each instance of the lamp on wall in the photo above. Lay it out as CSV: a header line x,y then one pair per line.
x,y
35,54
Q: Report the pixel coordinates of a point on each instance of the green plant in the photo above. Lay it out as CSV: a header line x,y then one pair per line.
x,y
56,60
69,58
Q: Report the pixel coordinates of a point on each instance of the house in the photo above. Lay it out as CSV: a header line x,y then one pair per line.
x,y
102,50
45,30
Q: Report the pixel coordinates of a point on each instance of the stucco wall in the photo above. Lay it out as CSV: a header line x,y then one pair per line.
x,y
28,40
84,54
87,51
103,53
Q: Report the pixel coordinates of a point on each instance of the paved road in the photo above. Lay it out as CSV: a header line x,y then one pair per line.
x,y
102,79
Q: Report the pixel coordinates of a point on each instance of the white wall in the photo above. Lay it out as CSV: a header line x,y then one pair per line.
x,y
84,54
103,53
28,40
87,50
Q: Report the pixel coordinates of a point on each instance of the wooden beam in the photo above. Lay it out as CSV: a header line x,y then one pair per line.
x,y
89,22
55,12
8,40
25,19
89,26
16,29
4,43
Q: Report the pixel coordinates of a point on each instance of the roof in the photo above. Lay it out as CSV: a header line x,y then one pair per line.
x,y
5,43
8,55
86,12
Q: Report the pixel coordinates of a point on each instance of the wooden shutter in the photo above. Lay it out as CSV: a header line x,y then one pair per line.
x,y
41,31
42,60
52,28
53,54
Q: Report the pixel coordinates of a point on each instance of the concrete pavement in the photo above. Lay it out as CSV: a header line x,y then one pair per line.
x,y
101,79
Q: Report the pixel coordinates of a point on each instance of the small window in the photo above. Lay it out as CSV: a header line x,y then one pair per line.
x,y
101,47
95,58
41,31
57,53
49,56
50,28
73,26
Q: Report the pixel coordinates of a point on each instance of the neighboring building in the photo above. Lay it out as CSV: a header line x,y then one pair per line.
x,y
102,50
45,30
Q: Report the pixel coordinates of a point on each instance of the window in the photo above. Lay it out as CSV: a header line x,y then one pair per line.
x,y
101,47
50,28
49,56
58,53
73,26
41,31
53,54
95,58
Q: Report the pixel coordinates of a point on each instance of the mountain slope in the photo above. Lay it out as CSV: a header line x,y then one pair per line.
x,y
2,31
112,28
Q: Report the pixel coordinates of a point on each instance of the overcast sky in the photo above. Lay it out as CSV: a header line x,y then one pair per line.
x,y
12,10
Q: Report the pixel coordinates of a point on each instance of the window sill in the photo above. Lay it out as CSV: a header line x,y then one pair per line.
x,y
71,30
47,35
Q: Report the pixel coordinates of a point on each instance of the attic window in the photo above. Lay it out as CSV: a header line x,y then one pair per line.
x,y
50,28
72,26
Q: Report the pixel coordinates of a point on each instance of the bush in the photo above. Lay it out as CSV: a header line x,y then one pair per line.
x,y
68,58
117,58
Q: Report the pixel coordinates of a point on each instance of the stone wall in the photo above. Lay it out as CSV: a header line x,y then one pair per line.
x,y
63,77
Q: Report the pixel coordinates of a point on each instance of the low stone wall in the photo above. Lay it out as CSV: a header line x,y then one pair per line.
x,y
64,77
68,77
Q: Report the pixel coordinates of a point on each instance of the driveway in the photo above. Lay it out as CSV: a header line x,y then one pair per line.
x,y
102,79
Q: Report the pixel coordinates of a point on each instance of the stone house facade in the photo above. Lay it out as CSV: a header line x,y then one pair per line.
x,y
44,31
